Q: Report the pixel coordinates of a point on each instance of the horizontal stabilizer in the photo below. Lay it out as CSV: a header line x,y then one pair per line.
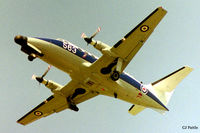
x,y
135,109
159,111
164,87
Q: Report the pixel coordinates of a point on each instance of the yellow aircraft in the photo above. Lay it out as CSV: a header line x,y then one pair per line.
x,y
92,76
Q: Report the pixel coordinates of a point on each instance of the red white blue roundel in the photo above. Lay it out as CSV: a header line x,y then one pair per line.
x,y
38,113
144,89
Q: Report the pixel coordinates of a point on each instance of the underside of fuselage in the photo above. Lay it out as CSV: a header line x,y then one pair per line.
x,y
76,62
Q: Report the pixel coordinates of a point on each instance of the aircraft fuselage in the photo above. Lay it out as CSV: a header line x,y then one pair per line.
x,y
76,62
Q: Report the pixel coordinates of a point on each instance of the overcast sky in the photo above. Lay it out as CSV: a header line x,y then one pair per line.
x,y
173,44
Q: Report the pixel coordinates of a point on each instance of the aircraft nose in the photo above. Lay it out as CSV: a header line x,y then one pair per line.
x,y
21,40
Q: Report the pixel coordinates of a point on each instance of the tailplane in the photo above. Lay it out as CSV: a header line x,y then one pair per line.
x,y
164,88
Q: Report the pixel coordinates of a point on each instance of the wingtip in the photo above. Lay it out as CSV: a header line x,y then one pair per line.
x,y
188,67
20,123
161,8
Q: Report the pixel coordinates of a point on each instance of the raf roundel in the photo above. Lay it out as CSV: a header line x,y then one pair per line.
x,y
38,113
144,28
144,89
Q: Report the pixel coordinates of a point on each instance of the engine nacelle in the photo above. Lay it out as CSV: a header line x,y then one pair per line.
x,y
53,86
99,45
102,47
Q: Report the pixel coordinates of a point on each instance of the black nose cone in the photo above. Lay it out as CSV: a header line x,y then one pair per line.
x,y
21,40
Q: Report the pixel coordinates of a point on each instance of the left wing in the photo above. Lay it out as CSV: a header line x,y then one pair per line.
x,y
57,102
128,47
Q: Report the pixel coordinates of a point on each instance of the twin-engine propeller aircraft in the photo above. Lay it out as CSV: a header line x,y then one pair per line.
x,y
103,76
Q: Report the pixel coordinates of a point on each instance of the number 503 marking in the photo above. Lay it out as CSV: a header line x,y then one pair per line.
x,y
69,47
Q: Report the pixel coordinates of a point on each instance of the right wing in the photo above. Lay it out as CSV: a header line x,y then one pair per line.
x,y
54,103
57,102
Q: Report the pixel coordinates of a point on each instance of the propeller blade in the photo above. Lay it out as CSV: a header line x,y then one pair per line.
x,y
98,30
89,39
33,77
45,73
83,35
40,79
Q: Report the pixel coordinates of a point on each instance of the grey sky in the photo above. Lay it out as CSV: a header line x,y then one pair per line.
x,y
174,43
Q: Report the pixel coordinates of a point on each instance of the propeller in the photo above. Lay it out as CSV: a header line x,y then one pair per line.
x,y
98,30
89,39
45,73
33,77
40,79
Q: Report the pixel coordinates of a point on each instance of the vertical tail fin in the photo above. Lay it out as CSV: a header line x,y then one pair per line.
x,y
164,87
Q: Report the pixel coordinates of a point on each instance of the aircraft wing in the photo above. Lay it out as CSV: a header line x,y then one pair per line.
x,y
128,47
56,103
